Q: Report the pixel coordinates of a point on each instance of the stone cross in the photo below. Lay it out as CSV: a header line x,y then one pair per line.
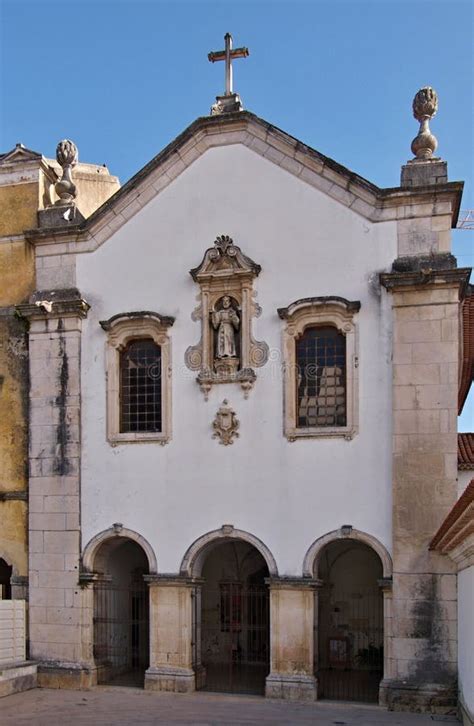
x,y
228,56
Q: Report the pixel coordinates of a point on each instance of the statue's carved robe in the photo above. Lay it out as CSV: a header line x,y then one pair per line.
x,y
225,321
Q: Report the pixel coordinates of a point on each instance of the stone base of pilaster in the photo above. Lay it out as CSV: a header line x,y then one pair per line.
x,y
164,678
432,698
66,675
466,716
17,677
291,687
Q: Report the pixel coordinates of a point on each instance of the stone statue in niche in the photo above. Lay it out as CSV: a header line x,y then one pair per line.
x,y
227,352
226,323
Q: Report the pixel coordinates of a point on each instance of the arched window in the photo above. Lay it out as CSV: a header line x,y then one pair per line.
x,y
5,584
140,387
321,378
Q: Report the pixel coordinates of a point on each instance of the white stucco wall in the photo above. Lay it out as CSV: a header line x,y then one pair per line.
x,y
287,494
466,637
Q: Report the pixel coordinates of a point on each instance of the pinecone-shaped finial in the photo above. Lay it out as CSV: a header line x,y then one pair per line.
x,y
425,106
67,156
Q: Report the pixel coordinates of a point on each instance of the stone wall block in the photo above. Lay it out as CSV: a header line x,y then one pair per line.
x,y
421,373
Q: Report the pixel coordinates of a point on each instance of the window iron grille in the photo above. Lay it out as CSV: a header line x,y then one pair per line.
x,y
140,387
321,378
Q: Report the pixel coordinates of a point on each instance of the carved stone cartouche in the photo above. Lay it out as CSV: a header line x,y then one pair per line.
x,y
225,424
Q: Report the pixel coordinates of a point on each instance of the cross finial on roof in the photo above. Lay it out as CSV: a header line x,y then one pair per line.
x,y
230,101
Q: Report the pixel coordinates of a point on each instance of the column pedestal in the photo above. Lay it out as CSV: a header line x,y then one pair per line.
x,y
292,640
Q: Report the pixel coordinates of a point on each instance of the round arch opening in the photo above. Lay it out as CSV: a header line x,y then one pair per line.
x,y
6,571
350,630
121,612
232,618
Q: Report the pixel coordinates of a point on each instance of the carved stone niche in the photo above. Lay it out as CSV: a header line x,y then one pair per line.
x,y
227,351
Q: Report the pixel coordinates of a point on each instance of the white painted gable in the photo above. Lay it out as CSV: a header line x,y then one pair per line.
x,y
286,494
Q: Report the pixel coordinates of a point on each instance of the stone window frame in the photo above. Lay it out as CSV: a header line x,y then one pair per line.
x,y
320,311
122,329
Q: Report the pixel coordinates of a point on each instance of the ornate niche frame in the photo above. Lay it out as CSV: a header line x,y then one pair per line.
x,y
226,272
314,312
121,329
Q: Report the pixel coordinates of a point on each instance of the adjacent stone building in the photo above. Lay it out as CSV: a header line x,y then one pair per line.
x,y
244,369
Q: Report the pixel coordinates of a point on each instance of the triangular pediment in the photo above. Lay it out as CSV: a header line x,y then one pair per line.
x,y
260,137
18,154
224,259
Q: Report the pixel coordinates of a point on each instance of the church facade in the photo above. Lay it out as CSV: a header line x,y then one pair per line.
x,y
242,424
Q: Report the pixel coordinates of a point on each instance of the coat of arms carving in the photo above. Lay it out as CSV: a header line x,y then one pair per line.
x,y
225,424
227,351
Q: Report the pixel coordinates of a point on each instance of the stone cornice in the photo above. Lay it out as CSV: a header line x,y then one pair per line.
x,y
455,537
59,309
400,281
309,165
14,496
164,320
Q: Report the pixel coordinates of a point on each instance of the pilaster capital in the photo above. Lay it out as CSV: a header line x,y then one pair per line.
x,y
385,584
53,304
422,278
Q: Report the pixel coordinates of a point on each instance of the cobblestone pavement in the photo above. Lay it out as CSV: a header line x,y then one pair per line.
x,y
42,707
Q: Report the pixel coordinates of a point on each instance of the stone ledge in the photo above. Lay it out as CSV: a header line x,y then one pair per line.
x,y
434,698
17,677
68,675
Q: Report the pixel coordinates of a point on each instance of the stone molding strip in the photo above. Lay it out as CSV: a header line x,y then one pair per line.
x,y
318,302
12,496
312,167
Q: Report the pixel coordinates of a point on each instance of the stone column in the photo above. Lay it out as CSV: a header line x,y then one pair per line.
x,y
385,585
54,487
291,639
425,389
171,634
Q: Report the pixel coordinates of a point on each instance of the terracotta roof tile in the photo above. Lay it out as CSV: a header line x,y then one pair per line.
x,y
467,360
465,451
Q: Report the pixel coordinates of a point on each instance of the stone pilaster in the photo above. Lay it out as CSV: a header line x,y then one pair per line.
x,y
171,634
54,487
421,667
292,640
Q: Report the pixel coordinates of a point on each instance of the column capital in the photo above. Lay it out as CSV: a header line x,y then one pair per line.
x,y
172,580
293,583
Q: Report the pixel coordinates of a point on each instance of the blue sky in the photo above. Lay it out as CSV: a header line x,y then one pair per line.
x,y
123,77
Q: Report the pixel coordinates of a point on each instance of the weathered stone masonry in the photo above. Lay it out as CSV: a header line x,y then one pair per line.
x,y
54,485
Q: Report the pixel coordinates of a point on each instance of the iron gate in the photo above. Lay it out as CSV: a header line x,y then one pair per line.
x,y
350,644
232,642
121,632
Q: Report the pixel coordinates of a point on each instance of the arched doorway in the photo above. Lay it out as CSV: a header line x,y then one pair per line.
x,y
5,581
350,633
232,624
121,612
